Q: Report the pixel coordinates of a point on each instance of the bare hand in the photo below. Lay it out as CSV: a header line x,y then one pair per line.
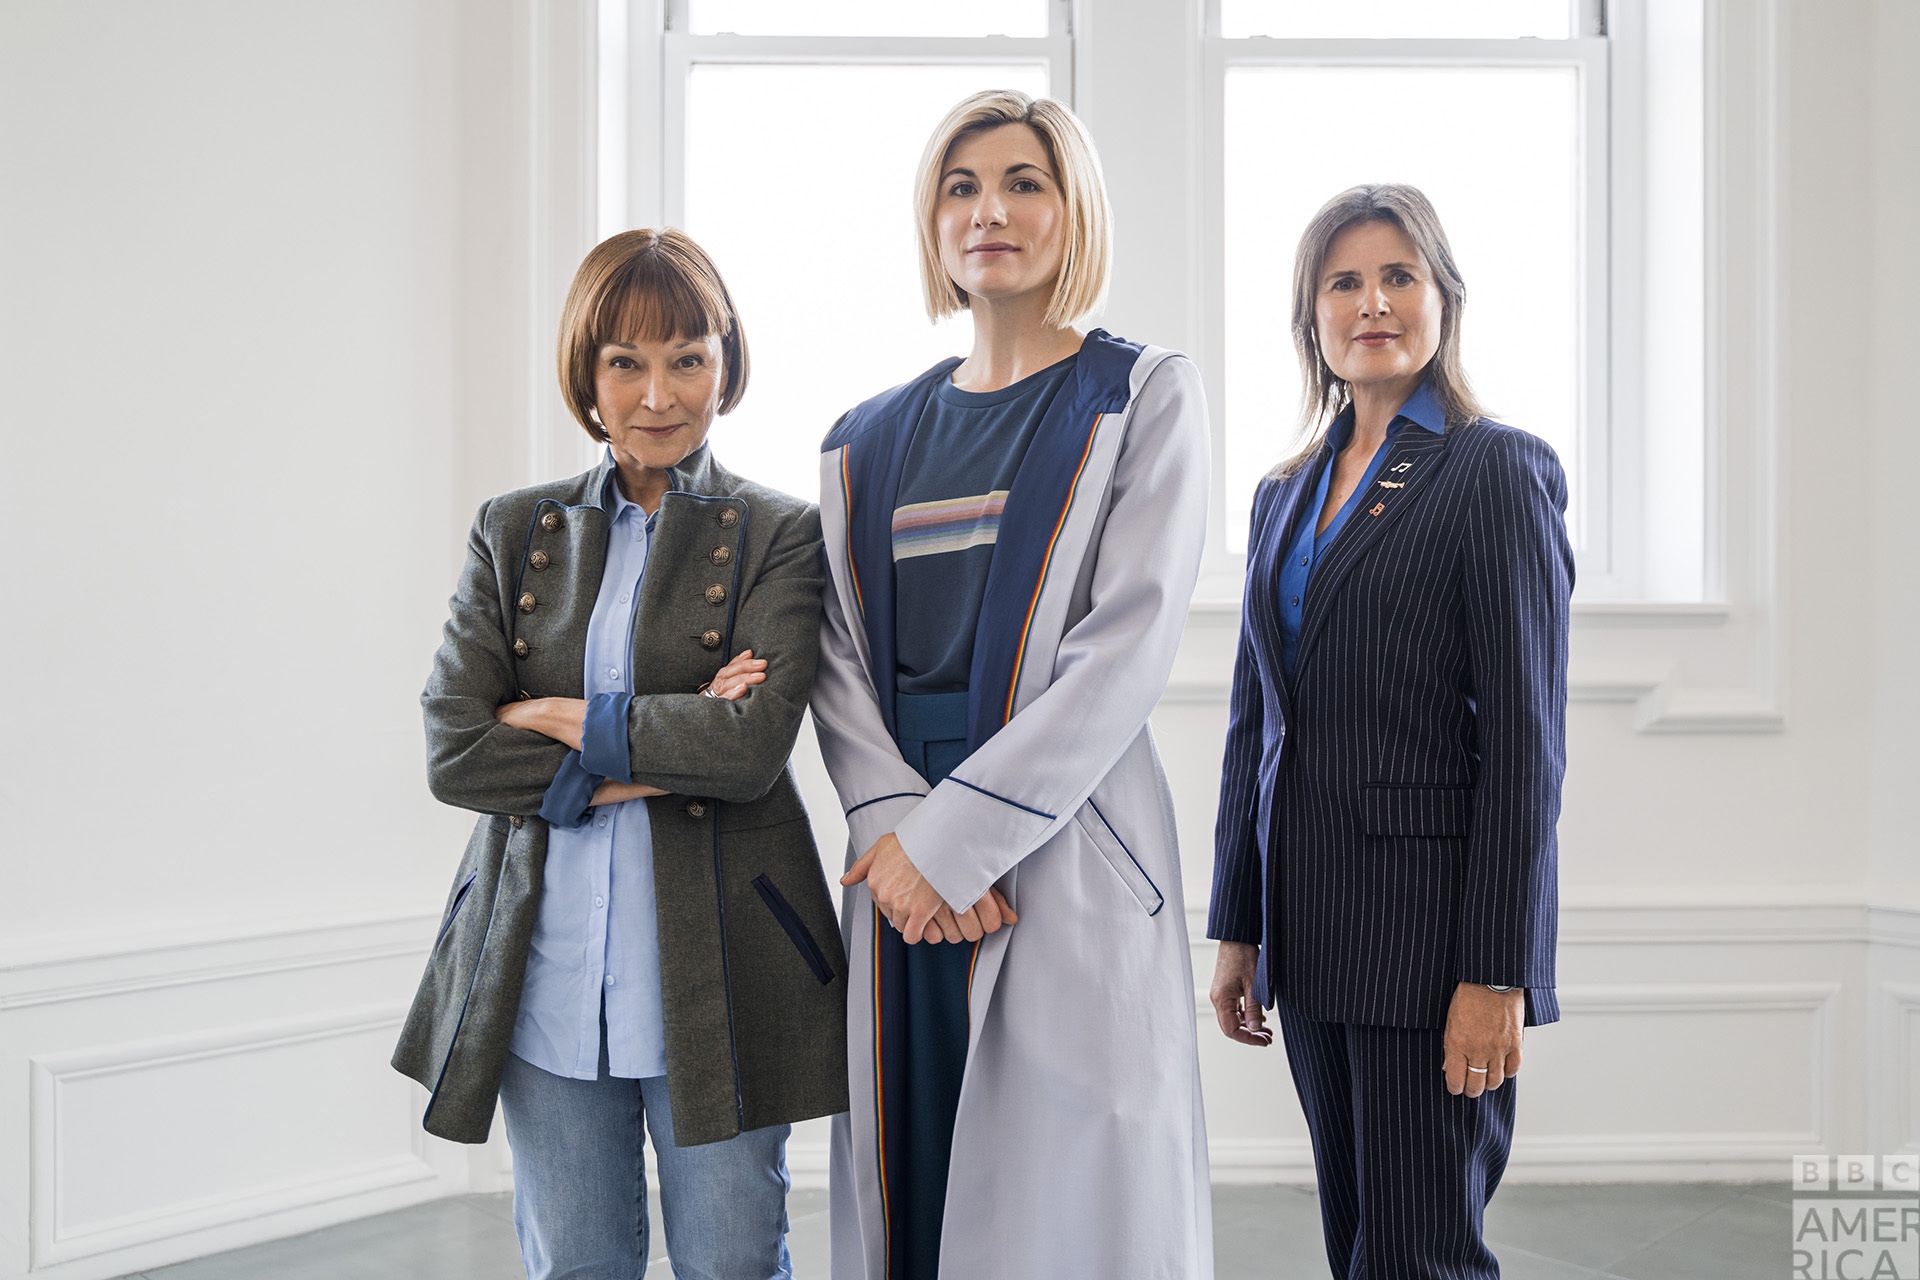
x,y
733,680
989,915
611,792
1241,1018
912,905
562,719
1483,1030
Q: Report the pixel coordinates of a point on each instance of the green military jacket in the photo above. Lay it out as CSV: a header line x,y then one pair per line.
x,y
752,970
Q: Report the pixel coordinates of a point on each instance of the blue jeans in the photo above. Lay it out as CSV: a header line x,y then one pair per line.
x,y
580,1183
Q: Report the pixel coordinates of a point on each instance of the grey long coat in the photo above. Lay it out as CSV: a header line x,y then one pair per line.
x,y
752,971
1079,1147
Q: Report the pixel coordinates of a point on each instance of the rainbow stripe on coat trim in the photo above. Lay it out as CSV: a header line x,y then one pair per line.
x,y
880,1103
846,496
1026,627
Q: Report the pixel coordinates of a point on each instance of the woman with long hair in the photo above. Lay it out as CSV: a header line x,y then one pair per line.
x,y
1384,865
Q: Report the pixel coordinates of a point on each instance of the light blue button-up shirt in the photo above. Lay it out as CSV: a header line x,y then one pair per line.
x,y
597,939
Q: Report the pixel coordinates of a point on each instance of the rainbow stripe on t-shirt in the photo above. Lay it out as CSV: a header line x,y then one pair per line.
x,y
951,524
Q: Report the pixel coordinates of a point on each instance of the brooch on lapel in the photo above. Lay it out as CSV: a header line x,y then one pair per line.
x,y
1393,484
1405,466
1378,507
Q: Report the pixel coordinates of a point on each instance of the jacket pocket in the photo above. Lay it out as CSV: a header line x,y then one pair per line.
x,y
453,908
1094,825
1444,813
796,928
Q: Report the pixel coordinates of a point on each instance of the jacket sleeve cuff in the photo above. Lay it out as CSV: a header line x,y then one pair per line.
x,y
869,821
603,742
569,796
1234,921
963,838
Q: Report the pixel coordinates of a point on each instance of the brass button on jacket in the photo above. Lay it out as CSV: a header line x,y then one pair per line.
x,y
695,809
709,639
716,594
729,518
539,560
521,648
550,521
722,555
526,602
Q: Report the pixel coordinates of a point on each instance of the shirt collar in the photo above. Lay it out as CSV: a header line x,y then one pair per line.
x,y
1422,409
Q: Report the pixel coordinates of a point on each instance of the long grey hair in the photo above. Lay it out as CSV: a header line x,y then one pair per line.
x,y
1323,394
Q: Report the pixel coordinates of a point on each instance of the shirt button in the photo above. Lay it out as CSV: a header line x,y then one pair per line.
x,y
1303,564
609,979
613,673
626,597
1295,602
601,821
599,901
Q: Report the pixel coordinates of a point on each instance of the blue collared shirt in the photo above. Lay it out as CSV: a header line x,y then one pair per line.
x,y
1421,410
597,938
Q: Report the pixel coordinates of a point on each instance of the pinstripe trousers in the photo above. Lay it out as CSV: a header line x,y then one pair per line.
x,y
1405,1168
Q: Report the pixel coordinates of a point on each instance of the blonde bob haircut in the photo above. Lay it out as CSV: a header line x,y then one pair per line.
x,y
650,286
1323,393
1087,262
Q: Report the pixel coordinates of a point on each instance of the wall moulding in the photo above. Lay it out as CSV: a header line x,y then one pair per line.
x,y
1899,1094
83,1206
1641,654
60,971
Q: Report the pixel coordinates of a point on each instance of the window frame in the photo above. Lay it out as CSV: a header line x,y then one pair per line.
x,y
1589,52
1710,662
661,37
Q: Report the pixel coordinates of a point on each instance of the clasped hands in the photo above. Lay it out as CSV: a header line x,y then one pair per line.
x,y
915,907
1480,1046
565,719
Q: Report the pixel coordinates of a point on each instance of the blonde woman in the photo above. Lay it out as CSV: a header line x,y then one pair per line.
x,y
1012,539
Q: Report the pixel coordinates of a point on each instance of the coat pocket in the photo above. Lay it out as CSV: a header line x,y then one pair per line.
x,y
1094,825
453,908
1444,813
796,928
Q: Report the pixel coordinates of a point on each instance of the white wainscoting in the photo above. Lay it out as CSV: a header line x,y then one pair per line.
x,y
1893,1037
139,1141
177,1096
1697,1041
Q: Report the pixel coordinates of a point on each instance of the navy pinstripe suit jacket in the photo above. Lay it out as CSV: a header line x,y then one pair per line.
x,y
1386,823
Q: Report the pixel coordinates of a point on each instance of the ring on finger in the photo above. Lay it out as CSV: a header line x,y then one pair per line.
x,y
1478,1070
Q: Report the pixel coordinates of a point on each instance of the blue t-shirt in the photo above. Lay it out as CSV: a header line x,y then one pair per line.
x,y
966,450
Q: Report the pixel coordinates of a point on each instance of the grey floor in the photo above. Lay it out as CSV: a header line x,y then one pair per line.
x,y
1694,1231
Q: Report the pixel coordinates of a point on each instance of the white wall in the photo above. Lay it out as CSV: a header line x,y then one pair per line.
x,y
263,287
236,383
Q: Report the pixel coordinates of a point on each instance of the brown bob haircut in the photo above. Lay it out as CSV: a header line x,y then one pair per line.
x,y
652,286
1324,394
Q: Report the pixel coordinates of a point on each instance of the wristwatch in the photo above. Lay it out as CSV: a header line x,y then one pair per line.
x,y
1493,987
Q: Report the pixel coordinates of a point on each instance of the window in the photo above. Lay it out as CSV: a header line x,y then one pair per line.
x,y
1561,146
1561,140
791,137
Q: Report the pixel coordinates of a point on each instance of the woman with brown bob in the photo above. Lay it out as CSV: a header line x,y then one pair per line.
x,y
639,936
